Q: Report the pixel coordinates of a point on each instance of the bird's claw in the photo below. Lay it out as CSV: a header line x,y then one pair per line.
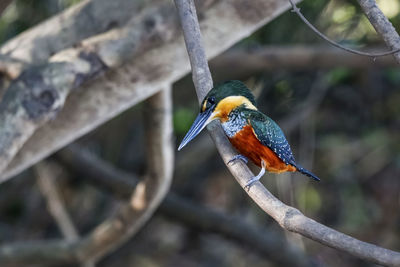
x,y
250,183
236,157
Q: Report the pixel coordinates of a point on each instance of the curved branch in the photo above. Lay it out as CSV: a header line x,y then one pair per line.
x,y
138,79
382,25
323,36
288,217
119,183
147,195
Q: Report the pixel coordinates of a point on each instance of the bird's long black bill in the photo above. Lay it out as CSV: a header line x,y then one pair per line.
x,y
199,123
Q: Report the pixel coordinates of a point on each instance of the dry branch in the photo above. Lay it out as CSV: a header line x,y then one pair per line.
x,y
130,217
40,92
135,81
323,36
148,193
68,28
119,183
46,172
288,217
382,25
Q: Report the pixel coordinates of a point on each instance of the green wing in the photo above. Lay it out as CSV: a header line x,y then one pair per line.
x,y
270,135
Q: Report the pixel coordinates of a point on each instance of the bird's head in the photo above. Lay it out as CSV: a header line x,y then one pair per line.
x,y
217,104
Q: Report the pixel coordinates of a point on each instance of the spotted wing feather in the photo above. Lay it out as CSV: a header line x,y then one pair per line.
x,y
270,135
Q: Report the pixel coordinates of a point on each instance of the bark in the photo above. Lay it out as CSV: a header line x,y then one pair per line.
x,y
382,25
107,96
67,29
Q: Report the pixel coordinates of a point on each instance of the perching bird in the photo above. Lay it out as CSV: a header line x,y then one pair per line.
x,y
252,133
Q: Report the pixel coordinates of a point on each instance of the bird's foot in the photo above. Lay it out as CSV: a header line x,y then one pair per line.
x,y
251,182
237,157
255,178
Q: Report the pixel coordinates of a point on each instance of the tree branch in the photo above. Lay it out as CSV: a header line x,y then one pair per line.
x,y
119,184
70,27
40,92
323,36
45,172
147,195
288,217
138,79
382,25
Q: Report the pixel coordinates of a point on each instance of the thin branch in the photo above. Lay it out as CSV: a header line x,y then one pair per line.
x,y
382,25
45,172
120,183
323,36
104,98
288,217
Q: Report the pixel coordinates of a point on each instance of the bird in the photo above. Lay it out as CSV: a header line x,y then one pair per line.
x,y
254,135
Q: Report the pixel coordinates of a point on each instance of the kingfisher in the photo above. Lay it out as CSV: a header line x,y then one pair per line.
x,y
254,135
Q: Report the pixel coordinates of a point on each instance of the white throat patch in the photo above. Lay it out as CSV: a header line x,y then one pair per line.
x,y
234,124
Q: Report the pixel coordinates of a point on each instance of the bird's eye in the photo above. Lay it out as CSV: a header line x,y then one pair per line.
x,y
211,101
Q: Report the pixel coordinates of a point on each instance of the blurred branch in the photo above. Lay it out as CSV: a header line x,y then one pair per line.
x,y
318,90
138,79
3,5
323,36
382,25
148,193
131,216
40,92
119,183
288,217
46,180
68,28
240,62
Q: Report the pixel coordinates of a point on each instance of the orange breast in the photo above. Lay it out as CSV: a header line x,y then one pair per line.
x,y
248,145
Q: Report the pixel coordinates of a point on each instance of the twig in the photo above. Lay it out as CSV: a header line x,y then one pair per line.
x,y
288,217
119,183
323,36
382,25
138,79
45,176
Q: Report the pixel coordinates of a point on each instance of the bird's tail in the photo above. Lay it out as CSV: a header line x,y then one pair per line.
x,y
307,173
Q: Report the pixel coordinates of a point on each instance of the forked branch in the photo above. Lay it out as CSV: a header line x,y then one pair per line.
x,y
288,217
